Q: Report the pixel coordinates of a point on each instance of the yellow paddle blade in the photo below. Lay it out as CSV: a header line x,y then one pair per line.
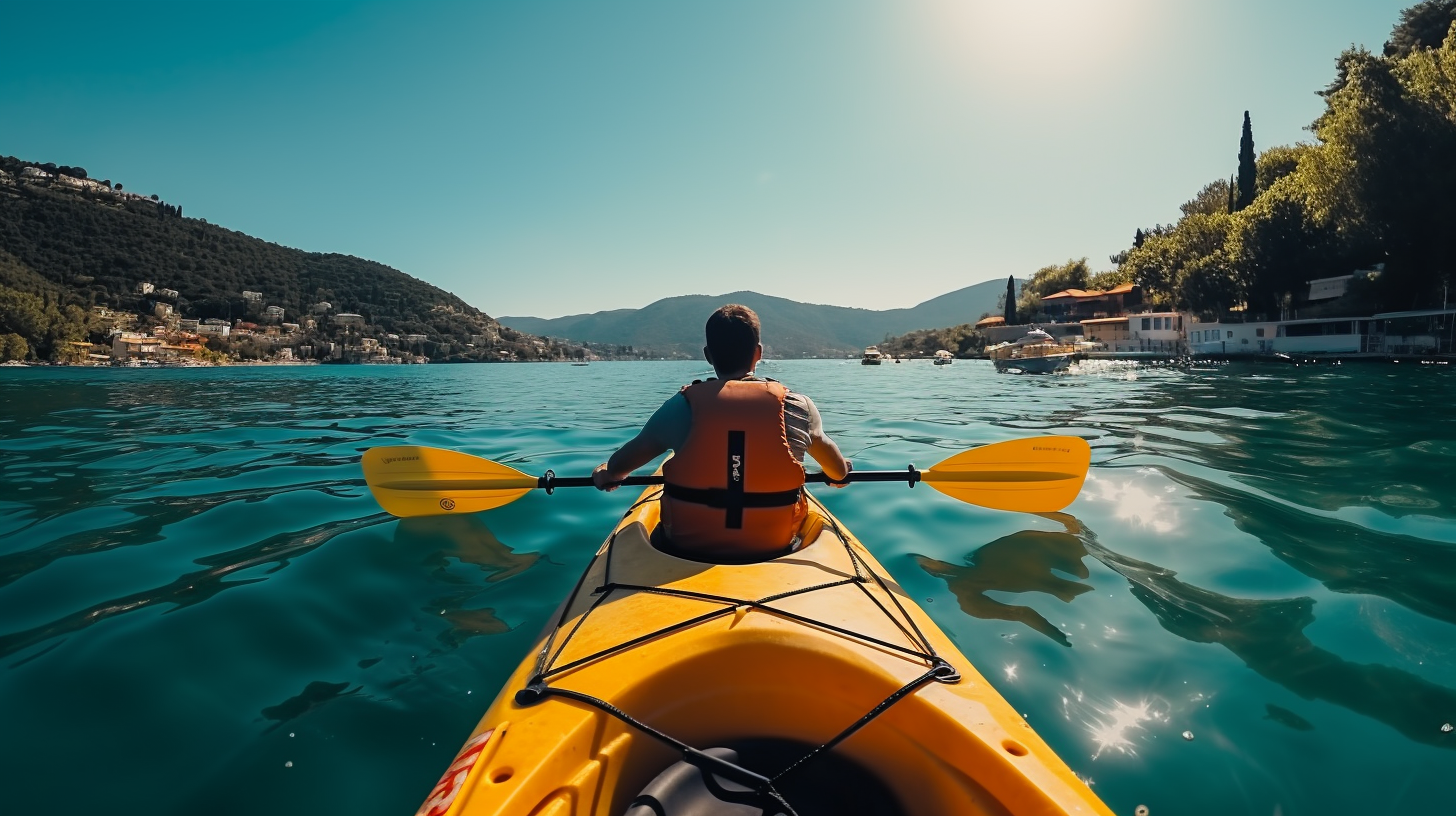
x,y
1042,474
414,481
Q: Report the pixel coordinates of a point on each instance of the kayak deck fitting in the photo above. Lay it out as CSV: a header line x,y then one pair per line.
x,y
805,684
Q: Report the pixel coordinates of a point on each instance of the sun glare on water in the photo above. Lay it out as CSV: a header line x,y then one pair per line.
x,y
1112,730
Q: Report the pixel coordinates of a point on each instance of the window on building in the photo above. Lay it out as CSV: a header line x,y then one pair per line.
x,y
1258,332
1231,335
1147,323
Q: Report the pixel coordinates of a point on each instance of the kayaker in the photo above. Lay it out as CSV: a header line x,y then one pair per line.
x,y
734,486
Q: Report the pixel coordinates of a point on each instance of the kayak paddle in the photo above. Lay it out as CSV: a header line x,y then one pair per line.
x,y
1041,474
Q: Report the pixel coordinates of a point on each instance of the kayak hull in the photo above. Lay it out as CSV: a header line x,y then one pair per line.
x,y
798,648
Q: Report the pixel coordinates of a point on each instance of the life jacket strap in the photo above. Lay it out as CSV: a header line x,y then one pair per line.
x,y
733,502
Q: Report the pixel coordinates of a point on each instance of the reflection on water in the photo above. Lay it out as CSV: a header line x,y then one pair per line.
x,y
465,539
314,695
1021,562
1416,573
194,587
1268,635
1284,716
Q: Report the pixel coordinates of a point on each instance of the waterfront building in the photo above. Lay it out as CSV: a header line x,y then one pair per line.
x,y
133,346
1079,304
1231,338
1428,331
1150,333
1431,331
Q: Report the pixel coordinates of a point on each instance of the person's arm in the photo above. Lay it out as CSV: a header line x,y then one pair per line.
x,y
638,451
823,449
655,439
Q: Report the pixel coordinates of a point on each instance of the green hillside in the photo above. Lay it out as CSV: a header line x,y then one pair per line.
x,y
790,329
66,240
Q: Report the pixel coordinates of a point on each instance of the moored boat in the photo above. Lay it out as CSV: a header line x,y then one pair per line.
x,y
872,356
1036,353
805,684
943,357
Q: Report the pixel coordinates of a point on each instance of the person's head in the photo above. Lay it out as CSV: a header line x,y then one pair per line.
x,y
733,340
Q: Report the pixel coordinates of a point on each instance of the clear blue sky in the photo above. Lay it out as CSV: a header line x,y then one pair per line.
x,y
547,158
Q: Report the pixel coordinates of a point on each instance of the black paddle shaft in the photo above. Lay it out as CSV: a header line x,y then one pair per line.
x,y
910,476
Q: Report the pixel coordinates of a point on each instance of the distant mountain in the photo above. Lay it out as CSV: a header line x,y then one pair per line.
x,y
790,329
67,240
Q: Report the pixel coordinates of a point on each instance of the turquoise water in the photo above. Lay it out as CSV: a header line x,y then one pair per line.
x,y
202,610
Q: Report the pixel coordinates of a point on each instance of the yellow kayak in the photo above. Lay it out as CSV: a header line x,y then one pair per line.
x,y
806,684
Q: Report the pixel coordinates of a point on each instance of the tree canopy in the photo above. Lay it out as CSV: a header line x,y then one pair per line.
x,y
1423,25
1377,186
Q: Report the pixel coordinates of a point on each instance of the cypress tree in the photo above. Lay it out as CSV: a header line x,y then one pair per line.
x,y
1138,238
1010,313
1247,168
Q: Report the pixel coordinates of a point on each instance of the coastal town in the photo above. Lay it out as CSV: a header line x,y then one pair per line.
x,y
1325,321
172,340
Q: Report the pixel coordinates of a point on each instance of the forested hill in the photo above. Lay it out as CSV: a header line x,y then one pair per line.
x,y
75,241
790,329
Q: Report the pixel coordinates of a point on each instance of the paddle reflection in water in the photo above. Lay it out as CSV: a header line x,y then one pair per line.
x,y
465,540
315,694
1026,561
1267,635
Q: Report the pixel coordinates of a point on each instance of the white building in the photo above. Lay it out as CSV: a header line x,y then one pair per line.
x,y
1153,332
1232,338
214,329
274,311
144,288
247,295
128,345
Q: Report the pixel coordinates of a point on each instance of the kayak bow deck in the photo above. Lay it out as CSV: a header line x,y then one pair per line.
x,y
653,657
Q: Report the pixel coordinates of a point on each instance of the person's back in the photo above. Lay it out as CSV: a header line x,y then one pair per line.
x,y
734,488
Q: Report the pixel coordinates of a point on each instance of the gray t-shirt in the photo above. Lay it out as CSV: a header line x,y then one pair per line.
x,y
670,425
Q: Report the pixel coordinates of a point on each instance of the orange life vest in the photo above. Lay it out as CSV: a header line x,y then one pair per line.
x,y
735,489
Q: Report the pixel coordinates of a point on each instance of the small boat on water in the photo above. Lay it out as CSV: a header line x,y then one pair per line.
x,y
1036,353
872,356
943,357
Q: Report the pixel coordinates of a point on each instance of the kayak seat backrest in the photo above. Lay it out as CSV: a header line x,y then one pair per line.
x,y
829,785
808,533
685,790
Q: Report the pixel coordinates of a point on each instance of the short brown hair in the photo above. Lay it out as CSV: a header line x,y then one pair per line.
x,y
733,334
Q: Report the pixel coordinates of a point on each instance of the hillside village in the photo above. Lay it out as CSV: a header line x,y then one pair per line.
x,y
91,273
